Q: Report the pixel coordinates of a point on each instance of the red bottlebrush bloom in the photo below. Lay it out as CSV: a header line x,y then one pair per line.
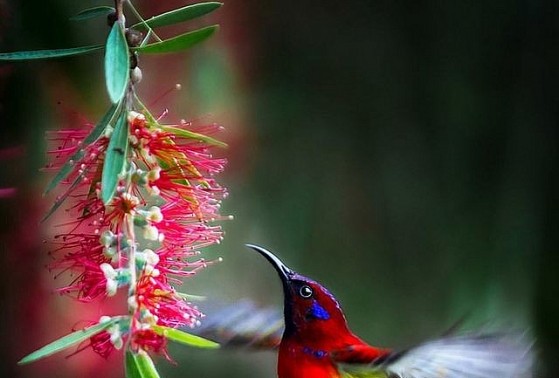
x,y
123,204
156,298
182,228
81,251
90,284
102,344
150,341
166,144
85,161
148,235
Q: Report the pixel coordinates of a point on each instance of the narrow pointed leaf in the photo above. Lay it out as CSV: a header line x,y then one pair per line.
x,y
130,368
60,200
107,119
149,117
48,54
192,135
115,159
140,365
192,297
180,42
184,338
117,63
178,15
86,14
67,341
92,192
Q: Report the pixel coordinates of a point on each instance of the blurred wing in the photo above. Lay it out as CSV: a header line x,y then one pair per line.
x,y
473,356
243,324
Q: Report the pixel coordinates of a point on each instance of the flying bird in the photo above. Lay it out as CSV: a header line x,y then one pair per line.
x,y
314,340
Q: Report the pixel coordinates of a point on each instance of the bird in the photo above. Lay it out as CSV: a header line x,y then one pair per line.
x,y
316,342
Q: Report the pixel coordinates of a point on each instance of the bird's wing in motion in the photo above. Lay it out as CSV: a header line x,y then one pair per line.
x,y
468,356
243,324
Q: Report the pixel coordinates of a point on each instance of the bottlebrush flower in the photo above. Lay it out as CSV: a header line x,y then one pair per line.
x,y
150,232
119,180
158,302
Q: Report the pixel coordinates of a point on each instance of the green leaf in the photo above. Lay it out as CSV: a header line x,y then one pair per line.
x,y
117,63
86,14
92,192
107,119
140,365
130,367
48,54
184,338
178,43
192,135
60,200
178,15
192,297
145,111
115,159
67,341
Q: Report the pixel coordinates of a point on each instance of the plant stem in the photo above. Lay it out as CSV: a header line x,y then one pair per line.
x,y
131,261
119,5
150,32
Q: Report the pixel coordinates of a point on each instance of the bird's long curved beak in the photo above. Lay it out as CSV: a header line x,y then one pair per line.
x,y
283,270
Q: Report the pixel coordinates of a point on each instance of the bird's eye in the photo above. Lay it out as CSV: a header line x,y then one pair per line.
x,y
305,291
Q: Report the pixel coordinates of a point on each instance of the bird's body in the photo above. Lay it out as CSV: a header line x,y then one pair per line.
x,y
311,358
316,337
317,343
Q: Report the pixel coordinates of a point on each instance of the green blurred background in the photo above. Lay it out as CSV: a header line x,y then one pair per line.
x,y
403,153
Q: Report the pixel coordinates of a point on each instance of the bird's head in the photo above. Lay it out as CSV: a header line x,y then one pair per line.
x,y
309,308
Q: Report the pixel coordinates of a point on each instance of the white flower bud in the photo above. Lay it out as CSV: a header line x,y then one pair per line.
x,y
152,258
115,336
110,274
154,174
150,233
132,303
108,271
111,287
104,319
154,190
154,214
107,238
132,116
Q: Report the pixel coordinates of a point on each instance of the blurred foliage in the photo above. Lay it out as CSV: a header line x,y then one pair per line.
x,y
402,153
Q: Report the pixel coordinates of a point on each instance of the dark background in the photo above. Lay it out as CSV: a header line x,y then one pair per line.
x,y
401,152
